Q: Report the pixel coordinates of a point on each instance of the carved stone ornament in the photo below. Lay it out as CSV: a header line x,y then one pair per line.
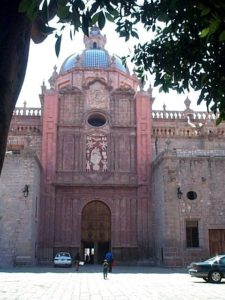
x,y
97,97
96,153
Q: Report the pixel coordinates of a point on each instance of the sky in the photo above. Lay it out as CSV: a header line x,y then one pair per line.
x,y
42,59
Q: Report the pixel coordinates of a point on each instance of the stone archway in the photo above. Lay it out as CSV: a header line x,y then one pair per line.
x,y
96,231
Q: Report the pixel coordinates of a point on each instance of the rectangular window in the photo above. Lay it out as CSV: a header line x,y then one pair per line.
x,y
192,237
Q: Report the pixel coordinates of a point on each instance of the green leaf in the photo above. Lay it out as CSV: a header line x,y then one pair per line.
x,y
214,26
109,17
32,10
205,11
222,36
95,18
44,12
204,32
123,34
24,5
85,24
58,44
30,7
62,2
114,13
94,8
101,20
76,20
161,90
80,4
47,29
219,120
63,12
134,34
162,18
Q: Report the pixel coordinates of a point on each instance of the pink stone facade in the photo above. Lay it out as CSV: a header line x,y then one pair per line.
x,y
111,168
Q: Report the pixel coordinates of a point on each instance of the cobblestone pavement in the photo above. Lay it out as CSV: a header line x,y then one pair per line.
x,y
135,283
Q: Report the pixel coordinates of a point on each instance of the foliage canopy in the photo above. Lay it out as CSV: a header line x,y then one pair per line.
x,y
187,50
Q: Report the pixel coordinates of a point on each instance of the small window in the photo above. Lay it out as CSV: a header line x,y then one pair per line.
x,y
94,45
96,120
191,195
192,237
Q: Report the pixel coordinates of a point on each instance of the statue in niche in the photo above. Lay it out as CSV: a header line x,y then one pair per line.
x,y
88,166
104,168
95,158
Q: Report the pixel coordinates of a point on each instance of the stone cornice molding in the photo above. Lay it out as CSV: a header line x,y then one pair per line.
x,y
91,80
123,90
69,90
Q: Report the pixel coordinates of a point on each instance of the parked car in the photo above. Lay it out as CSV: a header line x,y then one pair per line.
x,y
63,259
211,270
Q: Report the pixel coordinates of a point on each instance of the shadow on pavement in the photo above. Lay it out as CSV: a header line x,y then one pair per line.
x,y
95,269
204,282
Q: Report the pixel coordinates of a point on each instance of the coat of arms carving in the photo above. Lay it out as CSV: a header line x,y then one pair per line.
x,y
96,153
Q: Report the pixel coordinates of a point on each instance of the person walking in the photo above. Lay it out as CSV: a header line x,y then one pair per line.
x,y
105,269
77,261
109,258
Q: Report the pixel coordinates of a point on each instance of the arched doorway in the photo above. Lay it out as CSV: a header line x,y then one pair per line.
x,y
96,231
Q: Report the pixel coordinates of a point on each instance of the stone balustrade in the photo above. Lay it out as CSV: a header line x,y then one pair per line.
x,y
199,153
27,111
25,129
156,114
186,132
179,115
171,132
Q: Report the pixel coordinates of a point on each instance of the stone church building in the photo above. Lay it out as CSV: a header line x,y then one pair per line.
x,y
95,168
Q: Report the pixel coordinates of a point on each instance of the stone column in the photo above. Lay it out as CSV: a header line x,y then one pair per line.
x,y
48,162
144,157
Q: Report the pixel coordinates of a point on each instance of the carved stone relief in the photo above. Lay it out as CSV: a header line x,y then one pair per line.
x,y
96,153
97,97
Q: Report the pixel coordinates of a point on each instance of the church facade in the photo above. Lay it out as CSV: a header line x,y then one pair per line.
x,y
108,172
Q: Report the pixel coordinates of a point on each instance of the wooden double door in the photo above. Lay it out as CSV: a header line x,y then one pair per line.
x,y
96,231
216,241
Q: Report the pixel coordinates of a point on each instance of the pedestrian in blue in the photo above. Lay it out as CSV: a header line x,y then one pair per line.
x,y
109,258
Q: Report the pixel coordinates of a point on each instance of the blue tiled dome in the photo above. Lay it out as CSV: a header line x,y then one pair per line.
x,y
92,58
94,55
95,58
69,63
119,64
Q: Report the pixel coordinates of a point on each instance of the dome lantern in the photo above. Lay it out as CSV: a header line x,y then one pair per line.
x,y
95,40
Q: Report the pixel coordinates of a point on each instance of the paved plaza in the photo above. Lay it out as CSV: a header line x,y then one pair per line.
x,y
136,283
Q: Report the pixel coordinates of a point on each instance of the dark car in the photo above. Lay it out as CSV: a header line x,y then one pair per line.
x,y
211,270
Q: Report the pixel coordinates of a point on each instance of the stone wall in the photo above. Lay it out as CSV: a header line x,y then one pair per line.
x,y
25,130
19,214
198,171
185,130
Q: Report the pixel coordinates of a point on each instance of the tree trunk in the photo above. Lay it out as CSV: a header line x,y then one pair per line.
x,y
14,48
